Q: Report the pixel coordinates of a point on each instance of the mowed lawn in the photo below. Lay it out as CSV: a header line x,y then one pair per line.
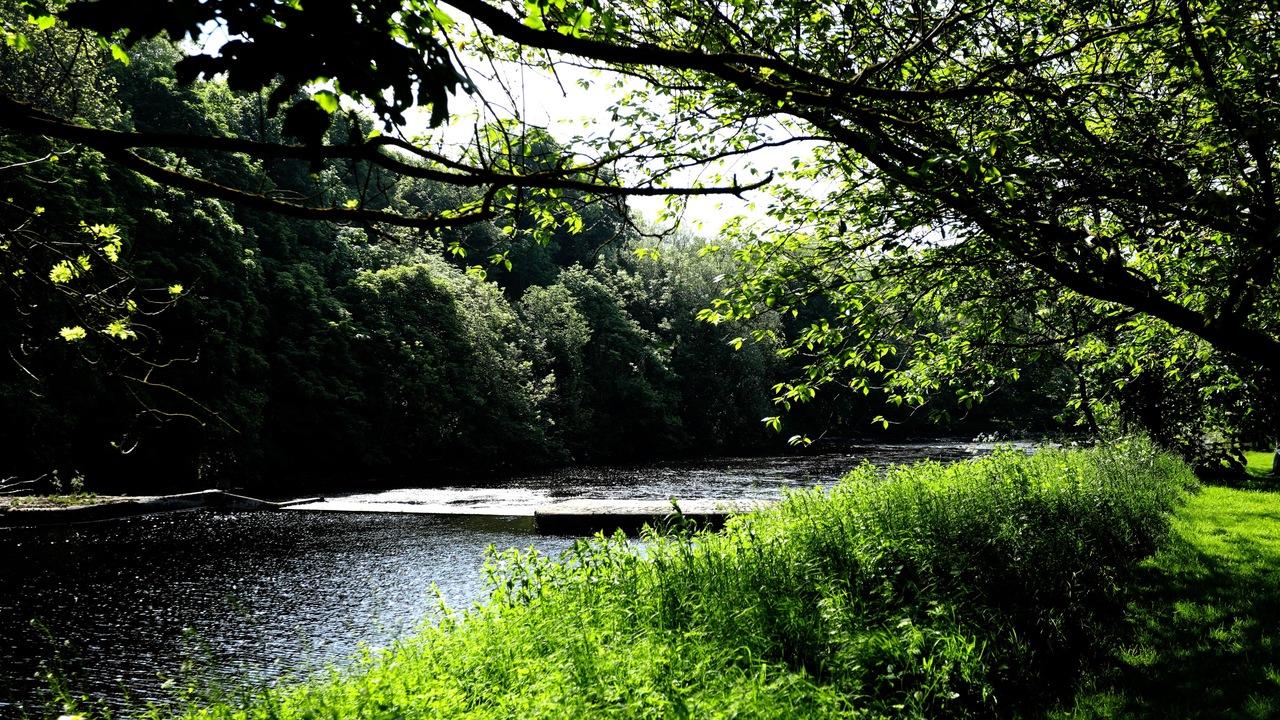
x,y
1203,637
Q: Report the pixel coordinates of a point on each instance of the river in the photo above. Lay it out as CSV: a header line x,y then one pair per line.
x,y
132,611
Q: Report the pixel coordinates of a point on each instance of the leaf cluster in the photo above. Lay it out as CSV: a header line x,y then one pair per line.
x,y
384,53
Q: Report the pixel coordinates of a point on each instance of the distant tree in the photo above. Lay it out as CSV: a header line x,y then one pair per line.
x,y
445,384
557,335
629,392
723,386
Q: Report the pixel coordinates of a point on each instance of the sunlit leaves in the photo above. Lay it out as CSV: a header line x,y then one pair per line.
x,y
502,259
64,272
327,100
109,235
575,19
533,11
18,41
16,38
120,330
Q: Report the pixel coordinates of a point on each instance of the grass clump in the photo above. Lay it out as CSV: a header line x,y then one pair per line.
x,y
18,502
970,590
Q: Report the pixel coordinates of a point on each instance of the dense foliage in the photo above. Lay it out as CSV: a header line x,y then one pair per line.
x,y
992,187
974,590
157,337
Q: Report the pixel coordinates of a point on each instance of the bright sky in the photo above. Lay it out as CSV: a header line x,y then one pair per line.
x,y
562,107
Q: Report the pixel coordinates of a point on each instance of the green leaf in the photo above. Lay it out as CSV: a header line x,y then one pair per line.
x,y
327,100
120,330
18,41
63,272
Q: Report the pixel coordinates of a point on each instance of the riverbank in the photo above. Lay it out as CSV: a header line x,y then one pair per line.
x,y
978,589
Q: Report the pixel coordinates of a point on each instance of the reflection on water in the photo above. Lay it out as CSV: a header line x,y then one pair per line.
x,y
263,594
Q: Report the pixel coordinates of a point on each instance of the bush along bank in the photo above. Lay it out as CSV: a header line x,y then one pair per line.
x,y
972,590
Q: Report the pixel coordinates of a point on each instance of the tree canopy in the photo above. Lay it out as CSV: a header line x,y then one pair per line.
x,y
998,179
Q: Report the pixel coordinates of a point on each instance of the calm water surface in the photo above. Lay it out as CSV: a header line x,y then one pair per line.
x,y
205,594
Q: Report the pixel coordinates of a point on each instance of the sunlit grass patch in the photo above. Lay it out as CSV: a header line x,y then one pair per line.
x,y
1259,463
1208,611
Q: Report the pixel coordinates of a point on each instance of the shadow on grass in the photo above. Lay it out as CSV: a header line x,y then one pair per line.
x,y
1247,481
1203,636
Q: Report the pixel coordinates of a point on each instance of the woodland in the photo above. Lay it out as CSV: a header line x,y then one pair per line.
x,y
250,267
236,266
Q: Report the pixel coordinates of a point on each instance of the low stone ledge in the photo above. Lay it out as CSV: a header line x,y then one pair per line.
x,y
299,501
587,517
123,507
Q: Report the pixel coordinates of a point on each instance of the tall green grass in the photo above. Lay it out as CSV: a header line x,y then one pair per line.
x,y
971,590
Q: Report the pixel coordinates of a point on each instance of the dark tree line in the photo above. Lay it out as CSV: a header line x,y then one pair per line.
x,y
189,341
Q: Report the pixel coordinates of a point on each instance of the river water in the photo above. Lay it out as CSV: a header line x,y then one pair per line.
x,y
133,611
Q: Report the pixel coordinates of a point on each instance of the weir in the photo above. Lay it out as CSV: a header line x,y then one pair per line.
x,y
584,516
571,500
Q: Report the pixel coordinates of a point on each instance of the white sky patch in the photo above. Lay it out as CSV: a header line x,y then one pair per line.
x,y
566,109
560,105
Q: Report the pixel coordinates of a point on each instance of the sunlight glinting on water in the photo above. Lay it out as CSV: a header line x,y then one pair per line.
x,y
216,596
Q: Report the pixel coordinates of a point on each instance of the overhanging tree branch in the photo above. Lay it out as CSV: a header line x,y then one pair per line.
x,y
1109,148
